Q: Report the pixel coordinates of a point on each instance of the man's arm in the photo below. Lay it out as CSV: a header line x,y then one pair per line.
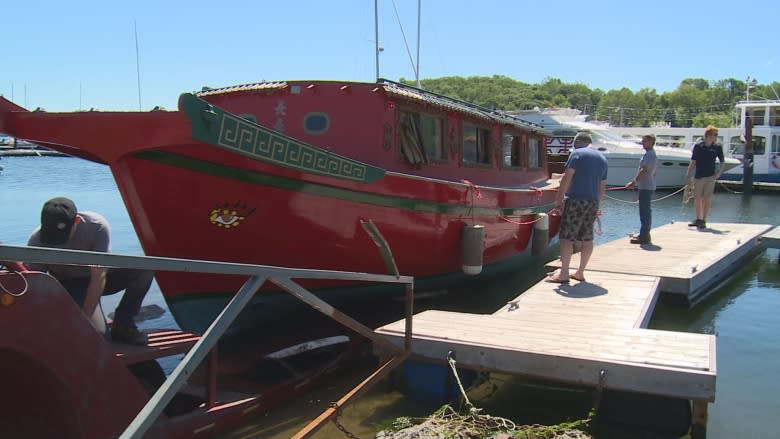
x,y
691,171
642,171
565,183
722,164
97,283
602,189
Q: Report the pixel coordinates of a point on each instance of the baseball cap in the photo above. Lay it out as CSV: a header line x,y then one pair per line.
x,y
57,218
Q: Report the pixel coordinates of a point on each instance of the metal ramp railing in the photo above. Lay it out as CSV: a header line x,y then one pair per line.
x,y
258,275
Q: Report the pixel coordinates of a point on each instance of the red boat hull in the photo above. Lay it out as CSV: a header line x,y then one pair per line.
x,y
194,199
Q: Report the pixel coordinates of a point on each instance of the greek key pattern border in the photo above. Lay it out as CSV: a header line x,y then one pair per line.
x,y
239,135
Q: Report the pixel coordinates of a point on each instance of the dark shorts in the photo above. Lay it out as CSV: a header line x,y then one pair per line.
x,y
577,220
117,279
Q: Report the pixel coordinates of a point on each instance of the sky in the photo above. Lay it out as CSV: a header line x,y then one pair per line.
x,y
131,55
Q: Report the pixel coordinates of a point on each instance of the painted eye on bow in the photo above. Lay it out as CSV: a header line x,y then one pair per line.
x,y
229,215
225,218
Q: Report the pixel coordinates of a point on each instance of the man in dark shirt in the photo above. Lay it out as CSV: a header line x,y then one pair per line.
x,y
701,171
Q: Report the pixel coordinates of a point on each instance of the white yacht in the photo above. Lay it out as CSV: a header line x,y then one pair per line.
x,y
623,155
765,118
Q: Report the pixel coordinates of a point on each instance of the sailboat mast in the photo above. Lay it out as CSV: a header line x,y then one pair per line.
x,y
137,63
417,68
376,36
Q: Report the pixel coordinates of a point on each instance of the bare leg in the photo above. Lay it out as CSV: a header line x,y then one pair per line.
x,y
586,249
706,204
567,248
699,203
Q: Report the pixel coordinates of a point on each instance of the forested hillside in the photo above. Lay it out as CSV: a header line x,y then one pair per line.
x,y
696,102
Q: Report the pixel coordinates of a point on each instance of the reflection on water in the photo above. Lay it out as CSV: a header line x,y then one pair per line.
x,y
743,313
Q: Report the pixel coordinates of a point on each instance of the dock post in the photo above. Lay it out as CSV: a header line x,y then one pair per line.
x,y
699,421
747,158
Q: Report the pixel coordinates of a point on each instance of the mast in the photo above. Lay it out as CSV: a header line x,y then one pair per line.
x,y
417,68
376,36
137,64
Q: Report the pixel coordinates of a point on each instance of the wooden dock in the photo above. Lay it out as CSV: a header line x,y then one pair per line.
x,y
690,262
589,333
595,332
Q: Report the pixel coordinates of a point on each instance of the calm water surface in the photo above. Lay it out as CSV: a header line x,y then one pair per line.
x,y
744,313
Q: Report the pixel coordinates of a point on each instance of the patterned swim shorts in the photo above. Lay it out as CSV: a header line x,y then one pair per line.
x,y
577,219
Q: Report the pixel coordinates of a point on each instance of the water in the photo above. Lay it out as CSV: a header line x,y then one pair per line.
x,y
743,314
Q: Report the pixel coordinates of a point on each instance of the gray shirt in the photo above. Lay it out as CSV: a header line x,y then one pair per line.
x,y
91,234
649,161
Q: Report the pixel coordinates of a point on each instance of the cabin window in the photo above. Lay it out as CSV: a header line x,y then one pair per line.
x,y
774,117
534,153
738,145
316,123
756,115
512,151
671,141
421,138
476,145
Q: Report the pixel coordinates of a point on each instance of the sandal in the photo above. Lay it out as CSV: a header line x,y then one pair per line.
x,y
556,280
579,279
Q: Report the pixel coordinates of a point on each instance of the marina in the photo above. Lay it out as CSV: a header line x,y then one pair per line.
x,y
100,191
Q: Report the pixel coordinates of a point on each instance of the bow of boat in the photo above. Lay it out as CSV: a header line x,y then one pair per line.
x,y
98,136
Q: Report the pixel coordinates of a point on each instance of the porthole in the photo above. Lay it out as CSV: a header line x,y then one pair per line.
x,y
316,123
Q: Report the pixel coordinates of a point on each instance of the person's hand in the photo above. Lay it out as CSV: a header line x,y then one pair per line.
x,y
630,184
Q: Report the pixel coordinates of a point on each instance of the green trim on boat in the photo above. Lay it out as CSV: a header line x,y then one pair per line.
x,y
278,182
215,126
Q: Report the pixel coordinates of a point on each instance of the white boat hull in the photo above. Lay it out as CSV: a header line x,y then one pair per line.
x,y
669,175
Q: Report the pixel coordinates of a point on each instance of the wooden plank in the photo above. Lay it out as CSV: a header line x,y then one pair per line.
x,y
632,345
162,343
606,299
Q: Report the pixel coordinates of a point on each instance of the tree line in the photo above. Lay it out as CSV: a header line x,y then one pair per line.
x,y
696,102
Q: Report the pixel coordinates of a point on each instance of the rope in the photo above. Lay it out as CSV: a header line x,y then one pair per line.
x,y
526,223
688,195
451,362
24,290
652,201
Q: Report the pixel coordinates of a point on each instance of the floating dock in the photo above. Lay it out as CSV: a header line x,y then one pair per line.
x,y
595,332
690,263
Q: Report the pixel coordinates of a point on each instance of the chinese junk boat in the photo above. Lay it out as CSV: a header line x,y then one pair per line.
x,y
288,173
